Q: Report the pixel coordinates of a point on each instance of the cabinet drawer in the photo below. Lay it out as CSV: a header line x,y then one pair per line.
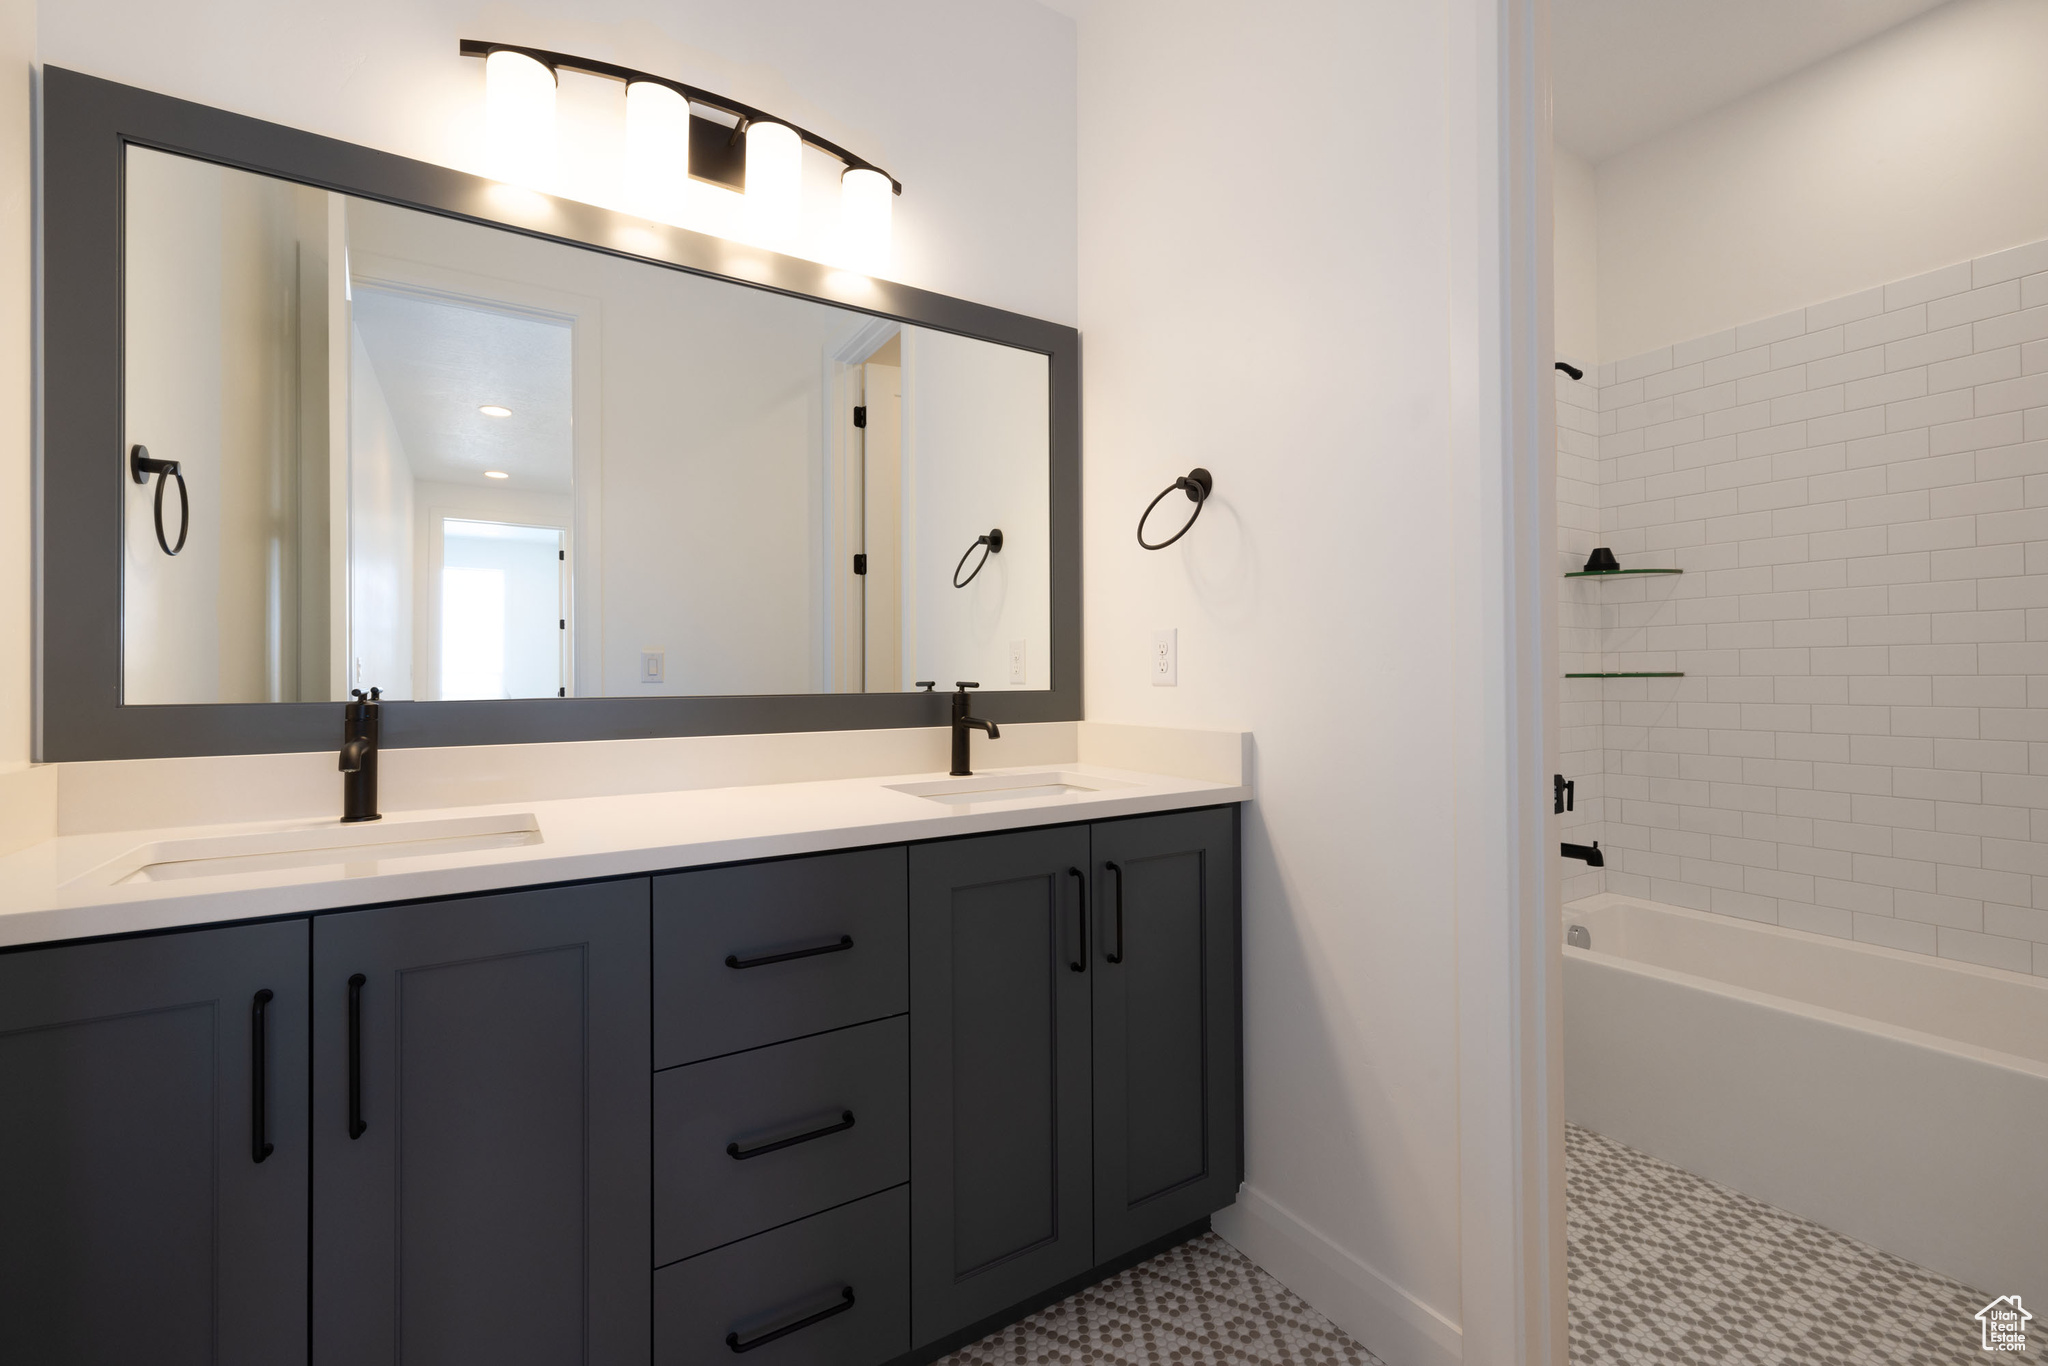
x,y
836,1287
746,1142
715,994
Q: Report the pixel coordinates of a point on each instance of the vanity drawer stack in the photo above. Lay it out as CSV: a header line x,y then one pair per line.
x,y
781,1111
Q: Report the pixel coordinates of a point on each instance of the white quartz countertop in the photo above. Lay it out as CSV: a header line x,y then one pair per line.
x,y
62,889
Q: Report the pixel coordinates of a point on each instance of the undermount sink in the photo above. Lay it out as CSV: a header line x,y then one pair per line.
x,y
1005,787
357,848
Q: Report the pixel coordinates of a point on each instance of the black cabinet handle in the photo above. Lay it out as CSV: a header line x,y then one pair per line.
x,y
260,1145
1079,962
355,1056
839,945
839,1306
1118,956
739,1154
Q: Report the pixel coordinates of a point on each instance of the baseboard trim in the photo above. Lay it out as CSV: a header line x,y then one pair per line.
x,y
1386,1319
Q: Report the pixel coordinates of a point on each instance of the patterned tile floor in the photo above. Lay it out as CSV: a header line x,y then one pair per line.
x,y
1665,1269
1200,1304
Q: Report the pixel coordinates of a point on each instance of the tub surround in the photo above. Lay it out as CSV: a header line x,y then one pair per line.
x,y
1888,1095
1855,492
605,816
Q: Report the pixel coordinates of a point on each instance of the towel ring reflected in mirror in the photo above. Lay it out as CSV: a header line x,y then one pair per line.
x,y
1198,483
994,542
140,467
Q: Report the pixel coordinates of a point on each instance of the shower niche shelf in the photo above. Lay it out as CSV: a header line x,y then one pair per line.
x,y
1616,573
1659,673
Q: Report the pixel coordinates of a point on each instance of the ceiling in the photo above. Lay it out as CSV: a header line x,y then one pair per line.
x,y
439,360
1624,71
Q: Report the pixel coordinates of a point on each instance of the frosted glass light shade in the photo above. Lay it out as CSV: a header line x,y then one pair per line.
x,y
519,120
866,203
657,150
775,174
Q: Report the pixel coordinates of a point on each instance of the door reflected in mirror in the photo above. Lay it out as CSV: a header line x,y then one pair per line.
x,y
455,462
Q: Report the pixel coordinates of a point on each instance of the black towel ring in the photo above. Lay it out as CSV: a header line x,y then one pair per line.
x,y
994,542
1198,482
140,467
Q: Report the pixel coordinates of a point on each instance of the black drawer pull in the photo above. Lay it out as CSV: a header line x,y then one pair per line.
x,y
356,1127
839,945
839,1306
260,1145
739,1154
1118,956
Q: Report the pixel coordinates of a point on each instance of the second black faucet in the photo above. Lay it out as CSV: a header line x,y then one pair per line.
x,y
962,723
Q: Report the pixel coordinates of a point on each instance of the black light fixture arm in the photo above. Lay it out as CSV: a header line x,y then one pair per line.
x,y
140,467
745,113
1198,483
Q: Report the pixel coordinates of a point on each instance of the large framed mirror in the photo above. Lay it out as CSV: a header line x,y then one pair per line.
x,y
318,418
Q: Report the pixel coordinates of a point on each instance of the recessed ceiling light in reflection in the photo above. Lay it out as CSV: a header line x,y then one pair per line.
x,y
496,474
494,410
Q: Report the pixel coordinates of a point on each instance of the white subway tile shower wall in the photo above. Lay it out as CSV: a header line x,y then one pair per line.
x,y
1858,495
1578,531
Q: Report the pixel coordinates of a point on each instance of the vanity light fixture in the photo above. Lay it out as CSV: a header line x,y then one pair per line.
x,y
667,145
496,474
519,118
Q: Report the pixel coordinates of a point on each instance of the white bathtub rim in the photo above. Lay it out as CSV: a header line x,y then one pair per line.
x,y
1990,1057
1602,901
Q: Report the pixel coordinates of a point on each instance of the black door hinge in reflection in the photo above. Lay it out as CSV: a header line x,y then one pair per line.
x,y
561,623
1561,794
561,692
860,416
860,564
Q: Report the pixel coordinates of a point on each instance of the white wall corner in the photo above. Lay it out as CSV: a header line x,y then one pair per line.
x,y
1386,1319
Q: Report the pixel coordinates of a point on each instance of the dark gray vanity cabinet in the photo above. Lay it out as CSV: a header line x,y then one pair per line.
x,y
1166,1024
153,1150
481,1187
1000,1191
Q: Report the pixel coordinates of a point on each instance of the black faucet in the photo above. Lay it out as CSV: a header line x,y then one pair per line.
x,y
962,723
359,757
1590,853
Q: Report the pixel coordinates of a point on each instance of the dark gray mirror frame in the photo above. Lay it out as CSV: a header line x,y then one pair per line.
x,y
87,125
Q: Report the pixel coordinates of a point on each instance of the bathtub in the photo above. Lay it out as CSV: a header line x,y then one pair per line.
x,y
1896,1098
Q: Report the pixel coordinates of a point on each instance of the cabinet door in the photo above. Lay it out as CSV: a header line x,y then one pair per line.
x,y
1166,1024
998,1073
153,1150
480,1131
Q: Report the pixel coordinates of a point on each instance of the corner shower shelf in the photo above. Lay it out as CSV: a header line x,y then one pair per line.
x,y
1656,674
1616,573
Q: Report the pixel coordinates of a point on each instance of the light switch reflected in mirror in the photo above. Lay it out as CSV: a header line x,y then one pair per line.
x,y
452,461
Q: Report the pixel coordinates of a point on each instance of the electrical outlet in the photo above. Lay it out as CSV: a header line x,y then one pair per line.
x,y
1166,659
653,666
1016,661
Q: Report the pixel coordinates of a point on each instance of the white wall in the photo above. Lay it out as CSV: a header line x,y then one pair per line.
x,y
212,271
380,536
1575,246
971,107
975,444
1918,149
1273,298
